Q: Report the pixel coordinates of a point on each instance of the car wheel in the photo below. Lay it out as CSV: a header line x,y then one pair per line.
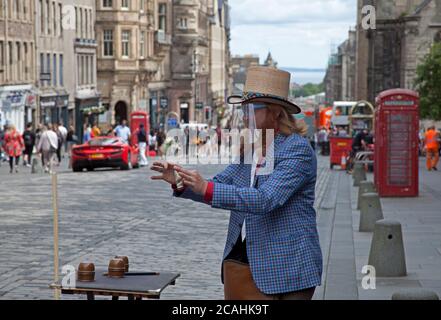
x,y
90,168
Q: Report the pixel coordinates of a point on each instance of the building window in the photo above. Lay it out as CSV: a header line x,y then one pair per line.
x,y
2,57
142,44
162,17
19,58
107,4
81,23
108,43
125,4
86,68
76,22
11,60
42,69
83,75
54,17
17,9
91,70
182,23
54,70
78,70
48,66
41,17
48,18
25,9
26,61
86,23
125,42
60,10
91,36
60,68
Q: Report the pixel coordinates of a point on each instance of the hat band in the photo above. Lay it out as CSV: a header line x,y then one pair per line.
x,y
253,95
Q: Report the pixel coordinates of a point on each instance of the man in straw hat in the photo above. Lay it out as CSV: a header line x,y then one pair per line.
x,y
272,249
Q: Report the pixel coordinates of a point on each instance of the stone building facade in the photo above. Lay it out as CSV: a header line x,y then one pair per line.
x,y
388,56
200,58
341,73
17,63
126,60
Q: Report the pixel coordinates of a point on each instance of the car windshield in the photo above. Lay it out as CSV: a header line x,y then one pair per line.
x,y
103,142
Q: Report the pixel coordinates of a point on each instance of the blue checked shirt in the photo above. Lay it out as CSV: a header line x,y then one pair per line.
x,y
283,246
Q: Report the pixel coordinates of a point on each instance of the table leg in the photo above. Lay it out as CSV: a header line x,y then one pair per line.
x,y
138,298
131,297
115,298
90,296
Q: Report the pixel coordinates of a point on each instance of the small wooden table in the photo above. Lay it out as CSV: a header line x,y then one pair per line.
x,y
134,285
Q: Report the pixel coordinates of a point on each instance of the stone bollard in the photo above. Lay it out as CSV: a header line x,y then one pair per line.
x,y
370,211
365,187
358,174
387,250
415,294
35,166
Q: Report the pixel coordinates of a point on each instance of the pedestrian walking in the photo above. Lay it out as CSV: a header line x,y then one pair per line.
x,y
63,130
13,144
29,143
71,140
272,249
60,138
96,131
142,142
432,148
47,146
2,139
160,139
87,135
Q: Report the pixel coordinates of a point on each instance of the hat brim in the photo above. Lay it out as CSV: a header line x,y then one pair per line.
x,y
292,108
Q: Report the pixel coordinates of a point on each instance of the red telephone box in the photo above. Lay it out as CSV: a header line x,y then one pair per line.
x,y
396,143
136,118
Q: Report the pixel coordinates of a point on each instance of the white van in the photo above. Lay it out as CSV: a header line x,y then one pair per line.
x,y
340,112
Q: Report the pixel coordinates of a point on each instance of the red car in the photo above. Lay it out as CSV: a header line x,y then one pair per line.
x,y
103,152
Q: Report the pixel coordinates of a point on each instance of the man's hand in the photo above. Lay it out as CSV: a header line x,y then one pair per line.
x,y
194,180
167,171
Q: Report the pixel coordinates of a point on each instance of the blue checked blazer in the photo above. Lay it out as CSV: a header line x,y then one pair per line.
x,y
282,240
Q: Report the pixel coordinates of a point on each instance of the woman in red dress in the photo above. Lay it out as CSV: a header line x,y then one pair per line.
x,y
13,146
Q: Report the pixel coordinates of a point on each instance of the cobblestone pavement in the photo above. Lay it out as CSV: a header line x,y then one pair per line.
x,y
105,213
111,212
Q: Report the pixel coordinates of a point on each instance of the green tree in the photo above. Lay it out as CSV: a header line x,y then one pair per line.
x,y
428,84
308,89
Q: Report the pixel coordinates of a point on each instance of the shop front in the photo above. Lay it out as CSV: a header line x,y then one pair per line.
x,y
54,107
89,110
17,105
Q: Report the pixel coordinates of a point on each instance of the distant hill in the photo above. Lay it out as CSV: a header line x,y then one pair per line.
x,y
294,69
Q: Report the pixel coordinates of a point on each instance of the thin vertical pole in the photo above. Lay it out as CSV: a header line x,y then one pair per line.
x,y
55,209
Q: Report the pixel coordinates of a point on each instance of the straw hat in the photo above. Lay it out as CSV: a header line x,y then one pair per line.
x,y
266,84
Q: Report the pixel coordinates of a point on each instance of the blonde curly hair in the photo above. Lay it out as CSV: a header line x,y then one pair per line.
x,y
287,123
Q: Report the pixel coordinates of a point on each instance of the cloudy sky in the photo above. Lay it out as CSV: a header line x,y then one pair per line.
x,y
299,33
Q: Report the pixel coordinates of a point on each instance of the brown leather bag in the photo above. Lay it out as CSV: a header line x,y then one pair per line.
x,y
239,283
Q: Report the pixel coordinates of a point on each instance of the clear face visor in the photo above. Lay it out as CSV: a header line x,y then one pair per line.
x,y
244,116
